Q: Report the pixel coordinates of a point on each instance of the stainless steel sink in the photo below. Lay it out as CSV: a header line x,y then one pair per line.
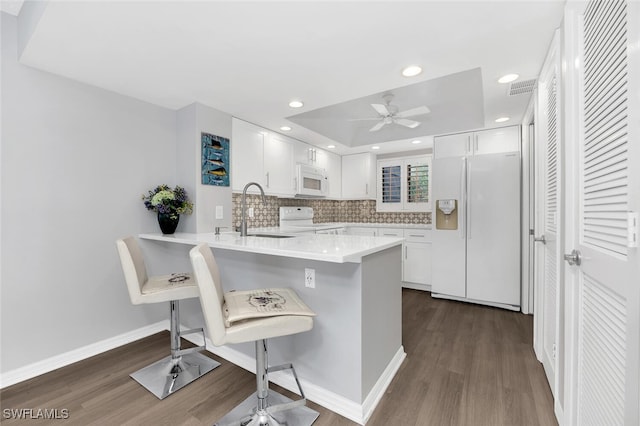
x,y
271,235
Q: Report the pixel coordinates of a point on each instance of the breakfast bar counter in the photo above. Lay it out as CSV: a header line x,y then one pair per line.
x,y
348,359
327,248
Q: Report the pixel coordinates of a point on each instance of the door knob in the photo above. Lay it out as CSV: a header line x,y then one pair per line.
x,y
540,239
573,258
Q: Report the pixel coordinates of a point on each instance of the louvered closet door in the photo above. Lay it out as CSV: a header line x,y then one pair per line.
x,y
548,182
605,289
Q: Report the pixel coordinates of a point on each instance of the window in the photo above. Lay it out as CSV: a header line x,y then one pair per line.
x,y
404,184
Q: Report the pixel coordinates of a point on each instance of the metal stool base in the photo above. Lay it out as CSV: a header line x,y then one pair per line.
x,y
245,414
168,375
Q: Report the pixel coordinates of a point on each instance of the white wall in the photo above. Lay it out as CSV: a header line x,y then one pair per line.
x,y
75,160
191,122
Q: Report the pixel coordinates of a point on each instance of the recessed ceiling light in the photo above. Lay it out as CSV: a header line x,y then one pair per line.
x,y
411,70
508,78
416,142
502,119
296,104
375,147
285,128
331,146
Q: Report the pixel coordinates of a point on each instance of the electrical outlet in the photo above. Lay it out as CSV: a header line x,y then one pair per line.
x,y
219,212
250,212
309,277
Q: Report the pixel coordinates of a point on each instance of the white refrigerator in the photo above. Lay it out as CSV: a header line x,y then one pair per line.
x,y
476,218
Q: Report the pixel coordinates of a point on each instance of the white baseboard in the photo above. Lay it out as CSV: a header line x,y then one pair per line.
x,y
559,412
478,302
416,286
377,392
352,410
46,365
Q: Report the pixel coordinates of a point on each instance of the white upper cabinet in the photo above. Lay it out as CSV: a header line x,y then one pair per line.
x,y
279,165
457,145
491,141
307,154
247,150
334,173
258,155
359,176
505,139
404,184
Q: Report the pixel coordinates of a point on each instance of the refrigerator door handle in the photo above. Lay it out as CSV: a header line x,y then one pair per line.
x,y
462,220
468,199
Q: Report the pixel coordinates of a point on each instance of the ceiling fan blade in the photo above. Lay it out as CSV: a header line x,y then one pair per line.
x,y
381,109
377,127
407,123
414,111
363,119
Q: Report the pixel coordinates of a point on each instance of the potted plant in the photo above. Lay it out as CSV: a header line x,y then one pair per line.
x,y
169,204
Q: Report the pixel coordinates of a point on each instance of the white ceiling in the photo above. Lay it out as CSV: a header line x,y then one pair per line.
x,y
250,59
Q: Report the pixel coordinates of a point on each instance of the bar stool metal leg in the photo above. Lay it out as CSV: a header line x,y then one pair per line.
x,y
267,407
183,366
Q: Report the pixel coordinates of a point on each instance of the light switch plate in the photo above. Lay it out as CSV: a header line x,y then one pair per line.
x,y
219,212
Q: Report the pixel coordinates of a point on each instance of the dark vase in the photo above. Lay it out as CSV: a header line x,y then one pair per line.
x,y
168,224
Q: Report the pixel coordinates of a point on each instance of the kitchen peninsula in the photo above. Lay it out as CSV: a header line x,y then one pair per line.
x,y
355,347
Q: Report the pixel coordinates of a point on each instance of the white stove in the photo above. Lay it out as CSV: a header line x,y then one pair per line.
x,y
300,219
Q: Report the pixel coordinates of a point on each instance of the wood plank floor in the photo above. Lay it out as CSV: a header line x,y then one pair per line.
x,y
465,365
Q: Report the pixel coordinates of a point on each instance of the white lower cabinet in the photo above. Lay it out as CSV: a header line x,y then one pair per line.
x,y
416,261
416,252
416,265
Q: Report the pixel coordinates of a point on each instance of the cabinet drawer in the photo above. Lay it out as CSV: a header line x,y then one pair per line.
x,y
390,232
357,230
418,235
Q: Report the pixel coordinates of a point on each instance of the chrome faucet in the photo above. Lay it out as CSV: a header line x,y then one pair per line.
x,y
243,220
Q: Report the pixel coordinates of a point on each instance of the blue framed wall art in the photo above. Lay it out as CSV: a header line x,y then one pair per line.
x,y
215,160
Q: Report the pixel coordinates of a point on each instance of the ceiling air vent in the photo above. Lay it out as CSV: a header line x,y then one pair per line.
x,y
522,87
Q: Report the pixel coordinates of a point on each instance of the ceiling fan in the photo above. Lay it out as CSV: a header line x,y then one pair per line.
x,y
389,114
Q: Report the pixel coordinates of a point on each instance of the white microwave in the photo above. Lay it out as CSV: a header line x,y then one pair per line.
x,y
311,181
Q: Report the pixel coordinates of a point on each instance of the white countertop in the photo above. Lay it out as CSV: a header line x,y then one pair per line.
x,y
382,225
326,248
333,225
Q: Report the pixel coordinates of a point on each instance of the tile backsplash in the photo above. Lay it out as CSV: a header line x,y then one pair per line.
x,y
357,211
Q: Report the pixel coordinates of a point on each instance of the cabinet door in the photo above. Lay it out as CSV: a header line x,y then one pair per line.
x,y
457,145
416,265
247,149
359,176
279,165
320,158
390,188
334,174
505,139
301,152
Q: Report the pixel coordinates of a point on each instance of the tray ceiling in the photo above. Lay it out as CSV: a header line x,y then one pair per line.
x,y
250,59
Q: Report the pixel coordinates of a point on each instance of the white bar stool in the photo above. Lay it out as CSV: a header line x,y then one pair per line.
x,y
183,366
264,407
